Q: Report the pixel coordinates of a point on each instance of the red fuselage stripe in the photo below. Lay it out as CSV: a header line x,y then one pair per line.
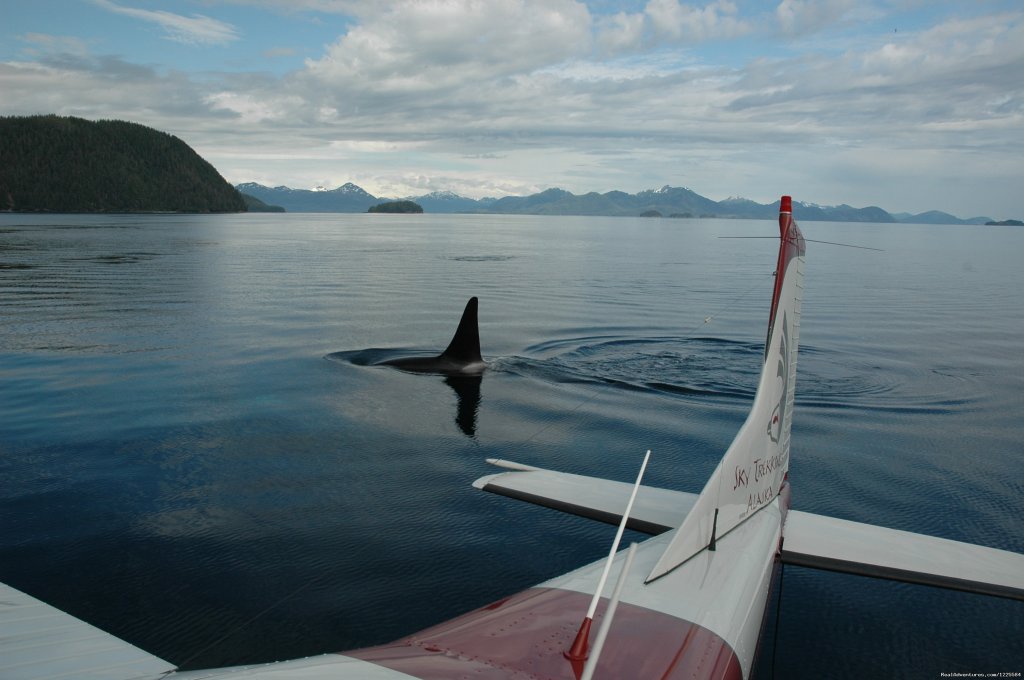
x,y
793,245
526,635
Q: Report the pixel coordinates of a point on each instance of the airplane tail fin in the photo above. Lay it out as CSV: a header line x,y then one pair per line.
x,y
465,345
754,468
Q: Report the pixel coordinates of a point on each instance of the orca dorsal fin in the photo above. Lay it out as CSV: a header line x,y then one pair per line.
x,y
465,345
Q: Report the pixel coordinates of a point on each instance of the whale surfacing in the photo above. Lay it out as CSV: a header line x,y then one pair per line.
x,y
461,358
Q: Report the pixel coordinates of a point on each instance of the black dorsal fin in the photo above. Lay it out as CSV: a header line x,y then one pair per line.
x,y
465,346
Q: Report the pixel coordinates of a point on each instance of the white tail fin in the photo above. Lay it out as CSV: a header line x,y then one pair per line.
x,y
751,473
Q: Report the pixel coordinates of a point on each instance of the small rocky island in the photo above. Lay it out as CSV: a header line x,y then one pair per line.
x,y
396,207
1005,223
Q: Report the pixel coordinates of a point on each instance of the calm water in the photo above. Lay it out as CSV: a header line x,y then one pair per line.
x,y
187,461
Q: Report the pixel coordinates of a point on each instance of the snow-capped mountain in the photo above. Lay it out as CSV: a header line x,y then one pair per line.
x,y
668,201
346,198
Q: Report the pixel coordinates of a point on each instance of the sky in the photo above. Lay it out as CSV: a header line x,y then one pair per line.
x,y
910,105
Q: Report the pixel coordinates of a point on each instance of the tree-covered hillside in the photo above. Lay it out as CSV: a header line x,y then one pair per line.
x,y
62,164
253,204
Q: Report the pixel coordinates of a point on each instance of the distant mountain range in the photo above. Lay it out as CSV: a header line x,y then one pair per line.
x,y
667,201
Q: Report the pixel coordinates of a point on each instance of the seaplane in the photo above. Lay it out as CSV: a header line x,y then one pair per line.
x,y
690,601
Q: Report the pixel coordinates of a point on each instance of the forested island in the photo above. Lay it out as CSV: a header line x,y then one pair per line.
x,y
65,164
396,207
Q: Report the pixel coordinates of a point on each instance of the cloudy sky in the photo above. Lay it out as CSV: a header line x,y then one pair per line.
x,y
906,104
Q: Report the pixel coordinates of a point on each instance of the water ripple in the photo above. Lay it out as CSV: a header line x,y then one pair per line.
x,y
711,367
833,379
705,367
479,258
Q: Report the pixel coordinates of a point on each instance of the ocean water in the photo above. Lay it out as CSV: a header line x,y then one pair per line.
x,y
193,457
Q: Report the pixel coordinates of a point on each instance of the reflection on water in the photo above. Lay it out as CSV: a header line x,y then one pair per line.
x,y
466,388
171,429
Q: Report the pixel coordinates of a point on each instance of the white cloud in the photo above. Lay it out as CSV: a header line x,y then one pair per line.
x,y
807,16
621,31
194,30
670,22
954,58
420,46
629,68
949,51
371,146
687,23
248,108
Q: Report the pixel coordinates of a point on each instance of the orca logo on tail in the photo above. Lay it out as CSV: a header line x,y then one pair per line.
x,y
779,414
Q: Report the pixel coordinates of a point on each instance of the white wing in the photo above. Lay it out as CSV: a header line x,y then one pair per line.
x,y
854,548
39,641
809,540
654,511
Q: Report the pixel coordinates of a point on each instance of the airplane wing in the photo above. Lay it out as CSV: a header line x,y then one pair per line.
x,y
39,641
811,540
654,511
